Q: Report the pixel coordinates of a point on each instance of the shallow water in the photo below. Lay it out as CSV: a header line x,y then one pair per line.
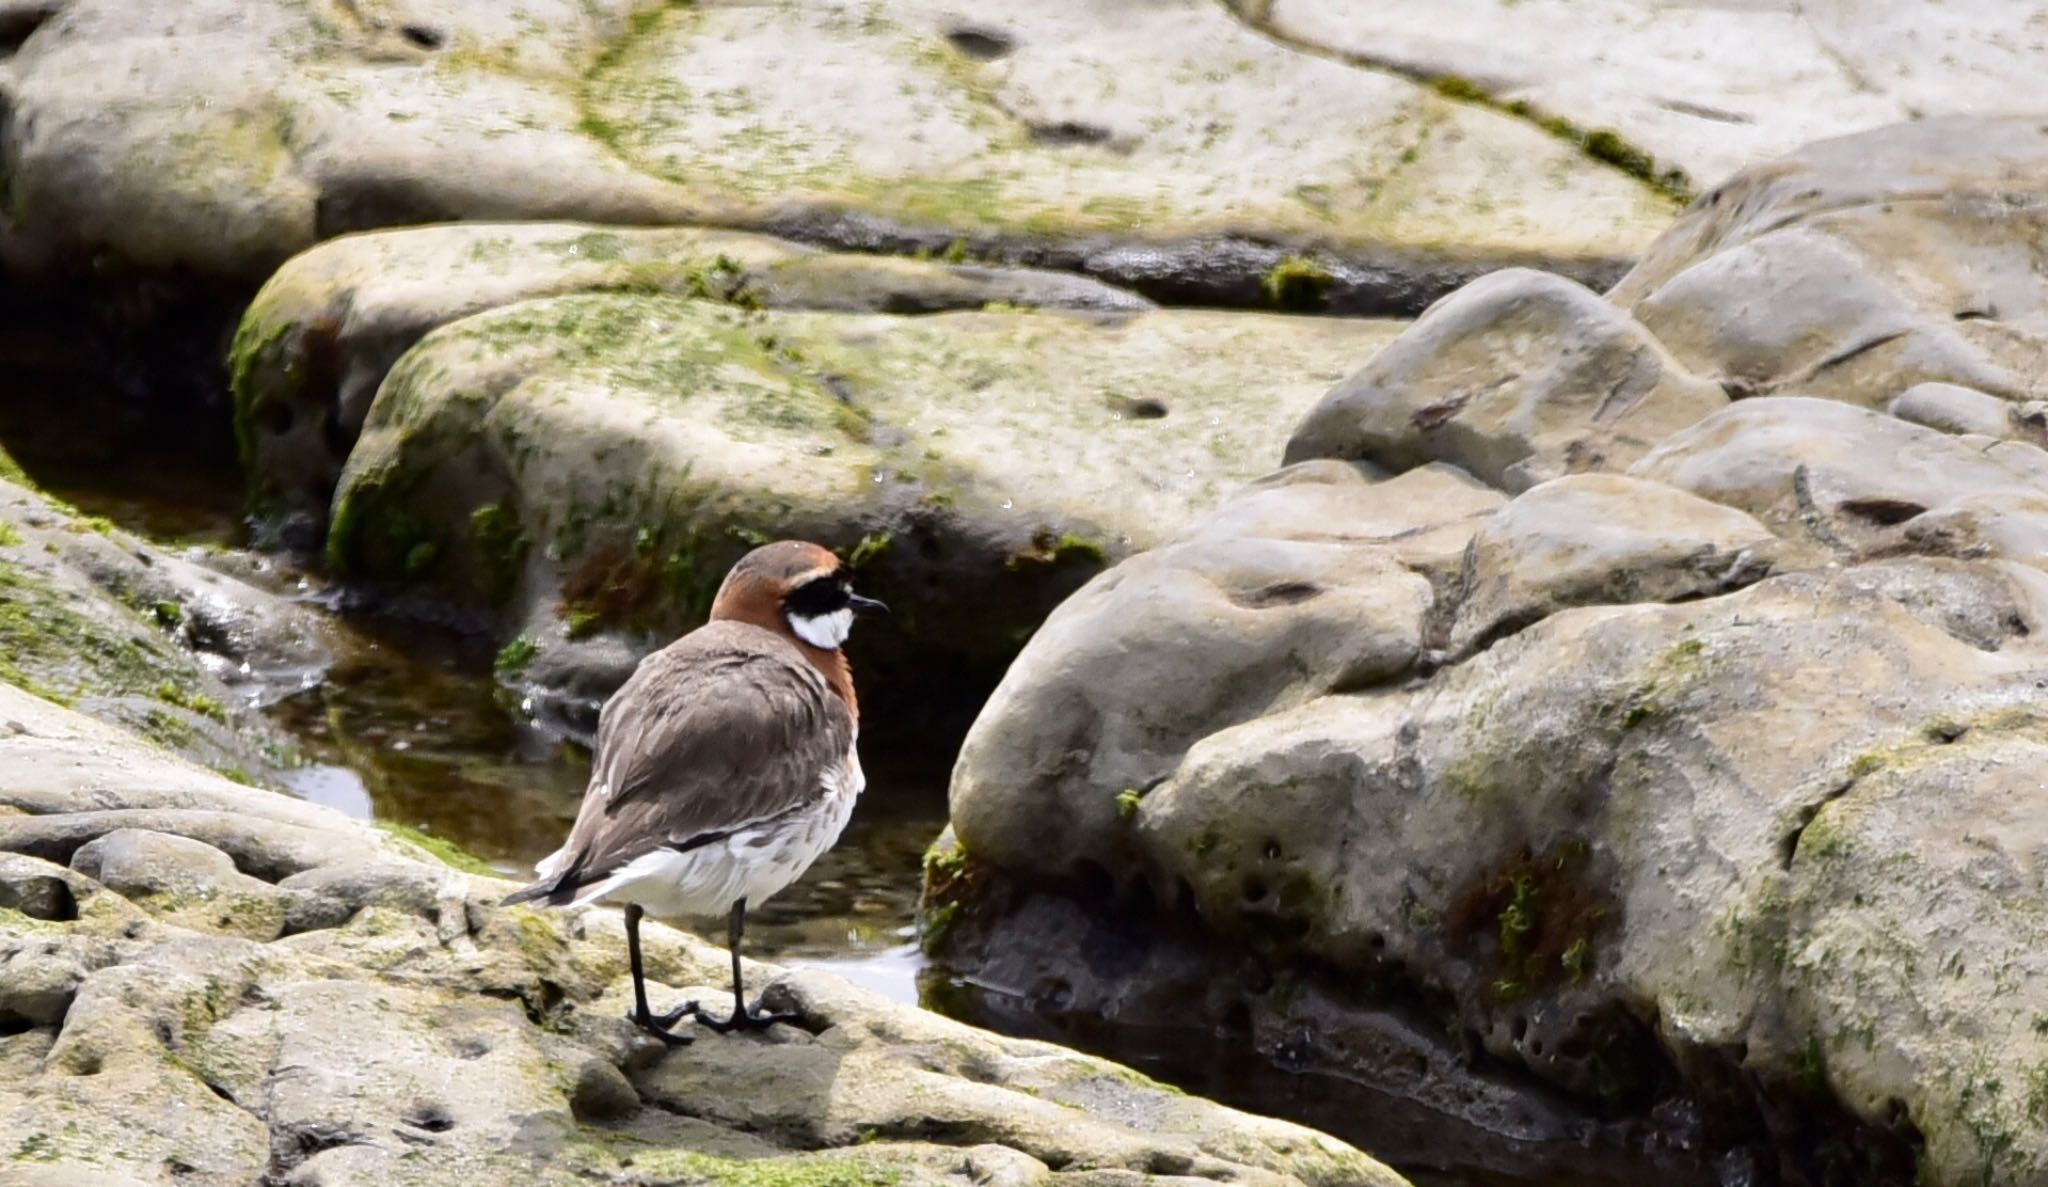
x,y
410,727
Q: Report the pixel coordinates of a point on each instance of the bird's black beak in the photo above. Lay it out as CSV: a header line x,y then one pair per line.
x,y
864,605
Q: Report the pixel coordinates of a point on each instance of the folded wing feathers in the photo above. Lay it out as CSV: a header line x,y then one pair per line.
x,y
725,729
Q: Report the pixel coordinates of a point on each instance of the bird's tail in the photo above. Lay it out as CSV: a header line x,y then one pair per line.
x,y
543,889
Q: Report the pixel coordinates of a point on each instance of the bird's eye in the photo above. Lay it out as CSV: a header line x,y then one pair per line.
x,y
817,597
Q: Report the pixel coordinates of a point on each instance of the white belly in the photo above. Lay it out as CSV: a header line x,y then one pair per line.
x,y
751,864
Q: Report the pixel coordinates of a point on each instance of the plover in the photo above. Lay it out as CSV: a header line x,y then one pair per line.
x,y
724,766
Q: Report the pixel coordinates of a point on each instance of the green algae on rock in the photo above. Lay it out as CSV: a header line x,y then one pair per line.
x,y
1691,770
94,618
1174,148
325,330
591,464
186,946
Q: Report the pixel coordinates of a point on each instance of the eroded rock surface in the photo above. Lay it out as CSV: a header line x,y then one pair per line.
x,y
206,982
578,464
146,637
1702,787
1169,147
1702,89
325,330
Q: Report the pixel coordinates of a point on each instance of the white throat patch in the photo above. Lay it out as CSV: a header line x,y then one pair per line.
x,y
827,631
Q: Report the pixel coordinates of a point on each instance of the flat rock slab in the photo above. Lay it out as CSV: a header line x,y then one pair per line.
x,y
1707,89
1173,148
407,1029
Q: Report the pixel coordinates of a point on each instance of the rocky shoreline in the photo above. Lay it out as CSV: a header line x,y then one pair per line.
x,y
1642,693
1609,733
250,989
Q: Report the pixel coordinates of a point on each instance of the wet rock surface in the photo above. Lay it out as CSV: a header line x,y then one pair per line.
x,y
158,640
246,988
1681,770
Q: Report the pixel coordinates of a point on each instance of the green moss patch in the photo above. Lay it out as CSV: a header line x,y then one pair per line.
x,y
1538,918
1601,144
446,852
50,647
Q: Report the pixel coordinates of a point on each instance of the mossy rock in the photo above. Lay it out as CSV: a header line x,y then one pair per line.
x,y
591,464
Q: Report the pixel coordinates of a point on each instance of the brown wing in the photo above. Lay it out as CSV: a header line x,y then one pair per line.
x,y
726,727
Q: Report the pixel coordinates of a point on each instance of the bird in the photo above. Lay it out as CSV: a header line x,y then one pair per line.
x,y
724,766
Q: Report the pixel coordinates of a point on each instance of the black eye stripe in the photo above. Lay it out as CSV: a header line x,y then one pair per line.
x,y
816,598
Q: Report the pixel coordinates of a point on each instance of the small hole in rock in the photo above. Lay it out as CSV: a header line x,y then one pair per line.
x,y
980,42
1884,512
276,418
424,36
432,1118
1254,890
1067,132
470,1048
1272,851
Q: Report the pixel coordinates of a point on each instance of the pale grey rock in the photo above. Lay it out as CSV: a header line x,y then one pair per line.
x,y
1835,473
417,1031
1953,409
1169,146
1594,539
1274,604
1712,762
1860,267
40,978
1517,378
1707,89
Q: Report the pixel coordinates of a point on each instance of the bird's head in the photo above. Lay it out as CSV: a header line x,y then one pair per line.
x,y
793,588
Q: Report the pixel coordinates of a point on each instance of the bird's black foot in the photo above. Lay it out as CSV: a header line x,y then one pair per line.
x,y
663,1026
742,1018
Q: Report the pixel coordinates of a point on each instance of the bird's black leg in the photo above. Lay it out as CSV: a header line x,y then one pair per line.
x,y
742,1017
661,1026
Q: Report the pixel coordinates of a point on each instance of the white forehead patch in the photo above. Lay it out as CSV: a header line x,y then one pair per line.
x,y
823,630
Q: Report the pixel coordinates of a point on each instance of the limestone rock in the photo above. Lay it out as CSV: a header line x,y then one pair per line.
x,y
1519,377
415,1030
92,616
1859,267
324,331
1592,539
1172,147
1696,784
1953,409
1834,472
594,463
1704,89
1194,637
